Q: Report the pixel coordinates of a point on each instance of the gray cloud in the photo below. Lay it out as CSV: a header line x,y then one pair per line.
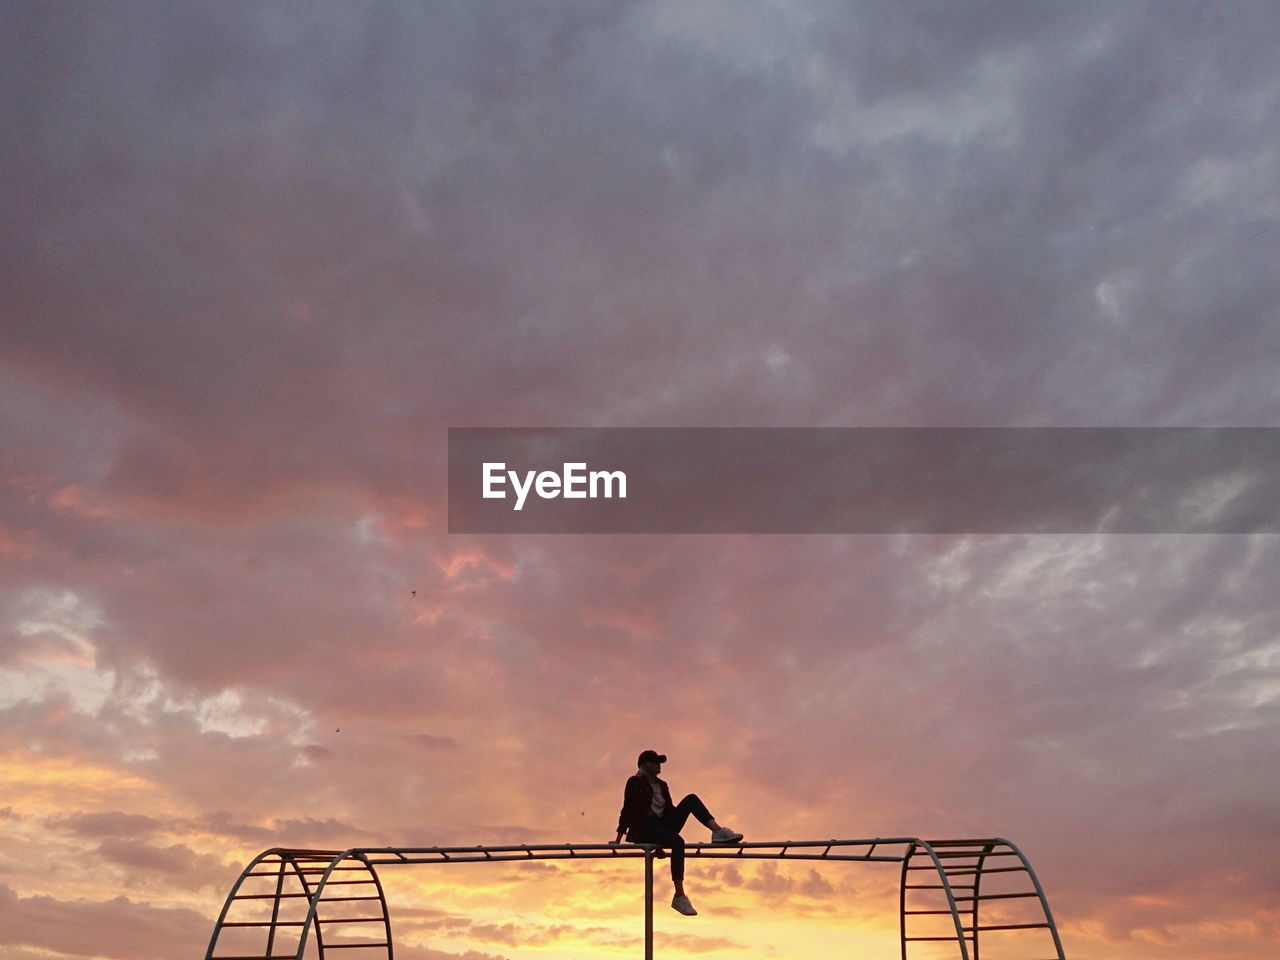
x,y
76,928
110,823
259,258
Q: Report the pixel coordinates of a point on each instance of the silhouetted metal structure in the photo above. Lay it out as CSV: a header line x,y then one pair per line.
x,y
286,898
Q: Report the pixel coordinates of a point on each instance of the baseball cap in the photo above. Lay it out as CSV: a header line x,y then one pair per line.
x,y
652,755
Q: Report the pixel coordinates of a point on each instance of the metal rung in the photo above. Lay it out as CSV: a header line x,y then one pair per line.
x,y
984,870
295,896
297,870
274,956
967,936
1012,926
921,913
266,923
937,886
1001,896
352,920
354,946
273,861
962,843
975,853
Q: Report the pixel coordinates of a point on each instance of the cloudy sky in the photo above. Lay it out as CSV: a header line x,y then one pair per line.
x,y
256,259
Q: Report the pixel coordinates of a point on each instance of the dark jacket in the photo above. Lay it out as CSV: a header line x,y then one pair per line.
x,y
637,806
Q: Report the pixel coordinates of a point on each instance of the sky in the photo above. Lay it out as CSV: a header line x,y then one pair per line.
x,y
256,259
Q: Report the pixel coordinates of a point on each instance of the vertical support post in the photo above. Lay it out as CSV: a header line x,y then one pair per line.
x,y
648,904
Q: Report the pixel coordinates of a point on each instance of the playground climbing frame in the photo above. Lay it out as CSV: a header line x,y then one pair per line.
x,y
951,891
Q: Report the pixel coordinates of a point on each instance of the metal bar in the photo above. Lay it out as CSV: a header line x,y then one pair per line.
x,y
1035,882
648,905
386,914
270,873
719,853
349,920
838,858
275,908
902,901
370,852
313,895
977,883
976,842
1012,926
231,898
354,946
939,886
951,900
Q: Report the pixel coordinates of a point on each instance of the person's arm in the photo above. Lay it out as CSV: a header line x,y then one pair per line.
x,y
632,798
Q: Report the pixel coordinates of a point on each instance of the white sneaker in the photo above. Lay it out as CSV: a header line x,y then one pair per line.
x,y
725,835
682,905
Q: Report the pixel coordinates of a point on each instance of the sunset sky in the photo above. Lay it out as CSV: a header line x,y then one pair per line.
x,y
257,258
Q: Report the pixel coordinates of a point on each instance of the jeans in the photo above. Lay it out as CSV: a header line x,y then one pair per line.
x,y
665,831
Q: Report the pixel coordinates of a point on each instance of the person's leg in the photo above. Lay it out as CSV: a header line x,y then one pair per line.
x,y
675,820
662,835
691,804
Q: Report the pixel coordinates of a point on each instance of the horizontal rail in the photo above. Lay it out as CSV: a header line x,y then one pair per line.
x,y
351,919
295,870
354,946
776,849
830,850
936,844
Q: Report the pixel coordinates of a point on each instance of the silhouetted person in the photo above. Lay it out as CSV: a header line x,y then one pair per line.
x,y
649,816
